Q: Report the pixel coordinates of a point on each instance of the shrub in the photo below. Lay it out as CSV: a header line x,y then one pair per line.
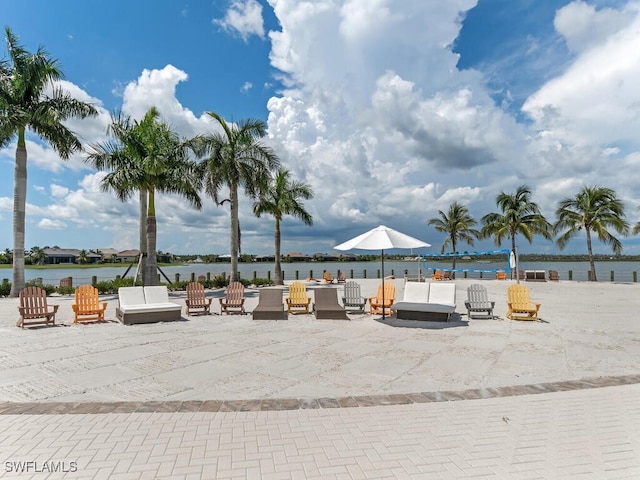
x,y
5,288
60,290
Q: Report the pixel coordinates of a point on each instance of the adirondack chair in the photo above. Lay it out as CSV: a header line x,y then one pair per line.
x,y
519,304
87,305
342,277
478,301
376,304
501,275
34,309
327,277
196,299
233,302
352,300
437,275
553,276
298,301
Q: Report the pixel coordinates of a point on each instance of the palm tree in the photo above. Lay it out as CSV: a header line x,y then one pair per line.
x,y
83,256
149,157
457,224
38,256
237,158
596,209
283,198
24,104
519,216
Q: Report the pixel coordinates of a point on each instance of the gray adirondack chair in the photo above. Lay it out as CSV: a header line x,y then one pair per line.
x,y
478,302
353,300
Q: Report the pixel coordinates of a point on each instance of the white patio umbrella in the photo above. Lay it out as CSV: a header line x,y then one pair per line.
x,y
381,238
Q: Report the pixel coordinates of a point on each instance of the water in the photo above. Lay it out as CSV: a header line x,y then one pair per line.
x,y
623,271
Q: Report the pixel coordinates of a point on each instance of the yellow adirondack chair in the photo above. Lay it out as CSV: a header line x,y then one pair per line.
x,y
233,302
87,305
34,309
298,301
519,304
376,304
196,299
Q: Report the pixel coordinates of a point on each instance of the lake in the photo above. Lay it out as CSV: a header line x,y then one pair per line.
x,y
623,271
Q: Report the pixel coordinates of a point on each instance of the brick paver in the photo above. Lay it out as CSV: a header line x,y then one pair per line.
x,y
583,433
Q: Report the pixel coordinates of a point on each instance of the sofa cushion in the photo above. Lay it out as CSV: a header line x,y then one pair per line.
x,y
416,292
131,296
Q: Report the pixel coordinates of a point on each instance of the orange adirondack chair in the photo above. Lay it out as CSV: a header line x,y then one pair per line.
x,y
87,305
34,309
519,304
376,304
196,299
234,299
437,275
327,277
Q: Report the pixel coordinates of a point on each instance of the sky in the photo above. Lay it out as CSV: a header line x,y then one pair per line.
x,y
390,110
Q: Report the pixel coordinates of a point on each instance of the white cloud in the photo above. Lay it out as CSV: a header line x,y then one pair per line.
x,y
600,85
48,224
246,86
379,139
59,191
244,18
157,88
584,27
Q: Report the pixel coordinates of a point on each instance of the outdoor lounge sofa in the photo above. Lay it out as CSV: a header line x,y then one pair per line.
x,y
146,305
426,301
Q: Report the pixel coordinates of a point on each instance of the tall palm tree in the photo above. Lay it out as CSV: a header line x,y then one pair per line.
x,y
596,209
519,215
458,224
149,157
127,142
284,198
236,158
26,105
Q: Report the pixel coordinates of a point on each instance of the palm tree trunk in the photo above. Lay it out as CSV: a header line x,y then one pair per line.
x,y
233,197
278,267
514,271
453,248
592,263
143,235
19,205
151,277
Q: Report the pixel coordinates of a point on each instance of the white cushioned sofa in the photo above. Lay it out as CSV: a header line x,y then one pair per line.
x,y
426,301
146,305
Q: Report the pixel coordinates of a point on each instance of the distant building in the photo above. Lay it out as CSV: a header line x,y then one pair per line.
x,y
128,256
58,256
297,257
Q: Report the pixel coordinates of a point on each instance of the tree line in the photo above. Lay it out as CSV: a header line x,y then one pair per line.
x,y
595,209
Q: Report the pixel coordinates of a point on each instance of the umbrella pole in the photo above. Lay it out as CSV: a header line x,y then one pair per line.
x,y
382,251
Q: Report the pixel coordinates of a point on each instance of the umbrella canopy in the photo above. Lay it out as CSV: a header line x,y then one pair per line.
x,y
381,238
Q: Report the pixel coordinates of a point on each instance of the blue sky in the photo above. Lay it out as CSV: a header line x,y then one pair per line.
x,y
390,109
